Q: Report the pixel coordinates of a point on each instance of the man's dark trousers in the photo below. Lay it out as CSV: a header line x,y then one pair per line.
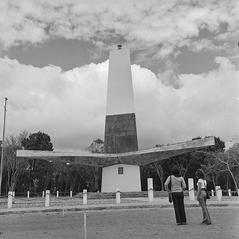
x,y
178,203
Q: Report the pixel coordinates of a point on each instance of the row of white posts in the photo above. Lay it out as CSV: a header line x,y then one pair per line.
x,y
11,196
46,195
43,194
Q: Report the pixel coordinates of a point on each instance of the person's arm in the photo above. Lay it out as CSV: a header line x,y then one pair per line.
x,y
199,184
183,184
167,183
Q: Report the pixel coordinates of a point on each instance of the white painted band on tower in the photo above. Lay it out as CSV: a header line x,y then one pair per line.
x,y
120,88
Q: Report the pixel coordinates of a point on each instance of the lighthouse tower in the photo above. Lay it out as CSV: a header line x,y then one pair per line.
x,y
120,124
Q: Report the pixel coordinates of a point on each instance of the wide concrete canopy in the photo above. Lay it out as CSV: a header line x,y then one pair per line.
x,y
141,157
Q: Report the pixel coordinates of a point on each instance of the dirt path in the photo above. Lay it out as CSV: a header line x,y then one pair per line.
x,y
121,224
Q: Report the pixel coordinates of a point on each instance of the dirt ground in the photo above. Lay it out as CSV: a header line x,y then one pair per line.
x,y
122,224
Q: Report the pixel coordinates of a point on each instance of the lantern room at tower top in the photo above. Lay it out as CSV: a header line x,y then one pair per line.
x,y
121,160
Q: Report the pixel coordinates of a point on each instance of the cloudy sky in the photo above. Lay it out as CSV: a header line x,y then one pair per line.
x,y
184,56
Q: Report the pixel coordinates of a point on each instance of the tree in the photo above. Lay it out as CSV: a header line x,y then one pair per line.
x,y
230,159
188,163
233,153
228,162
38,141
222,165
160,172
13,168
40,171
97,146
212,167
218,147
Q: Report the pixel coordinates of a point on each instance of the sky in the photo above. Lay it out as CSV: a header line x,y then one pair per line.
x,y
184,61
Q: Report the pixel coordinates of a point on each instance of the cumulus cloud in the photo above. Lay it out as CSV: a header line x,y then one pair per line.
x,y
70,105
164,28
65,104
140,23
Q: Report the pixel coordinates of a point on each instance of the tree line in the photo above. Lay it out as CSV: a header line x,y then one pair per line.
x,y
221,168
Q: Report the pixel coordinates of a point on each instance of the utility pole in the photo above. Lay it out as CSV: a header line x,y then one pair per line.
x,y
3,141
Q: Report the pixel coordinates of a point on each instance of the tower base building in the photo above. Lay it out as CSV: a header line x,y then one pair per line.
x,y
124,177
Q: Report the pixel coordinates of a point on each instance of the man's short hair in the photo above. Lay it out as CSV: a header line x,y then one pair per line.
x,y
176,171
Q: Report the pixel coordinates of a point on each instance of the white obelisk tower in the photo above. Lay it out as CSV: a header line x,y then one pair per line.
x,y
120,124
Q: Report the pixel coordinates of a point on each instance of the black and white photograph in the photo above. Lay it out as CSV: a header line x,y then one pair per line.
x,y
119,119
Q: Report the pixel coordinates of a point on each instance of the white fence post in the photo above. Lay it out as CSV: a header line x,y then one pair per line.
x,y
43,194
117,195
71,194
150,189
28,194
84,196
212,191
219,193
47,200
57,194
9,200
229,192
191,189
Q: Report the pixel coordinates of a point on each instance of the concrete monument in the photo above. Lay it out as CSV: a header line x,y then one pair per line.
x,y
120,124
121,160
